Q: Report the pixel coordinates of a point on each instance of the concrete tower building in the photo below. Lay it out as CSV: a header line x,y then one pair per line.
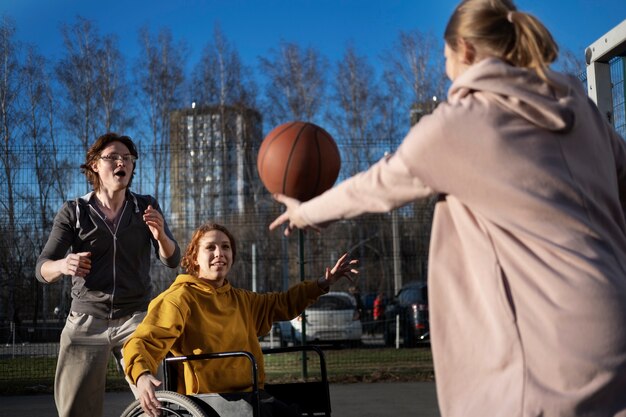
x,y
213,165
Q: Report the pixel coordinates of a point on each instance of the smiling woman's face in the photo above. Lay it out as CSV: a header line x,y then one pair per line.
x,y
114,175
215,257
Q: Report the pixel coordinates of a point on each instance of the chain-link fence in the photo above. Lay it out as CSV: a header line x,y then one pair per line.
x,y
392,249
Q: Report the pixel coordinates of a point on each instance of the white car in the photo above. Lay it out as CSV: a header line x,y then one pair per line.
x,y
332,318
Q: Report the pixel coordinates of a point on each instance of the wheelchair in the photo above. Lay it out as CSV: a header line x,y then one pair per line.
x,y
310,397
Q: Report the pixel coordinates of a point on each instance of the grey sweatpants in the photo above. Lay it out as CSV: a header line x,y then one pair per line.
x,y
87,343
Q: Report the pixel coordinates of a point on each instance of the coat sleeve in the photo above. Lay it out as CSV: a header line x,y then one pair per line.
x,y
174,260
277,306
60,240
153,338
386,185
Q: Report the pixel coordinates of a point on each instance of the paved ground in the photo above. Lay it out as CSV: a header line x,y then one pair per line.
x,y
383,399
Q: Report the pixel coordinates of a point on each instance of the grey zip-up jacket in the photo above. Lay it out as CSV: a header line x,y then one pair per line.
x,y
119,282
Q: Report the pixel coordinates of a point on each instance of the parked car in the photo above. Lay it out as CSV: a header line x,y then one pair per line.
x,y
333,318
284,332
411,306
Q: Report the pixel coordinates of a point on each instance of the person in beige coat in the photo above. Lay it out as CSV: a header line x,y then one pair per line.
x,y
527,279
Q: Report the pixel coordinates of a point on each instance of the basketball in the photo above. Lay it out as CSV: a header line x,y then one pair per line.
x,y
298,159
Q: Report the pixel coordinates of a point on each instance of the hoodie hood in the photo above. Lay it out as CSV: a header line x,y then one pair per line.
x,y
199,284
521,91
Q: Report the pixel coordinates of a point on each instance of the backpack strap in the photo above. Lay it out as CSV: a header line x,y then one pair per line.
x,y
86,197
136,201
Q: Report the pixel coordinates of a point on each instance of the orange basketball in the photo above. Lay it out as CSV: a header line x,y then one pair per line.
x,y
298,159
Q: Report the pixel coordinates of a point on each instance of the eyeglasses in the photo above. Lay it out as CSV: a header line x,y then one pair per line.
x,y
114,157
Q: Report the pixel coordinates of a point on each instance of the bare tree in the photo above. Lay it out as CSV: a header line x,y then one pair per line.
x,y
220,78
160,74
113,89
77,74
356,117
356,100
416,59
93,76
10,119
223,90
50,180
295,83
415,79
392,121
39,109
571,63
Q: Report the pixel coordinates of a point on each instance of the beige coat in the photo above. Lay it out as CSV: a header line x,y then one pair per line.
x,y
527,274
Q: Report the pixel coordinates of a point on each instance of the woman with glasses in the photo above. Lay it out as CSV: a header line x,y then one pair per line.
x,y
103,241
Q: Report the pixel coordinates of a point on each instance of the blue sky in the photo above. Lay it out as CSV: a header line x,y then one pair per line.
x,y
255,27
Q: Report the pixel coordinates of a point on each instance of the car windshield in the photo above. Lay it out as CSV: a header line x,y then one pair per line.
x,y
413,295
332,303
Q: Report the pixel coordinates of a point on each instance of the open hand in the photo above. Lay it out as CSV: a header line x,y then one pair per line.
x,y
345,267
146,390
154,220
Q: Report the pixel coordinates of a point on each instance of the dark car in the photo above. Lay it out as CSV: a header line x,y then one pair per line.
x,y
410,305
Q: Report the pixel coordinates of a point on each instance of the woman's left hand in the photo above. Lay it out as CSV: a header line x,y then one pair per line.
x,y
154,221
345,267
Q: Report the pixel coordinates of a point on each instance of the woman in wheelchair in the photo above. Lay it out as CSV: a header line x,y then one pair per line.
x,y
202,313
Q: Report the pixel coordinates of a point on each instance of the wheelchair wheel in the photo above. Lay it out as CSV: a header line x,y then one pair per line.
x,y
173,404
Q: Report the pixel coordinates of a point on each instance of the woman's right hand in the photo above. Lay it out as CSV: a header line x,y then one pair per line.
x,y
290,216
146,390
76,264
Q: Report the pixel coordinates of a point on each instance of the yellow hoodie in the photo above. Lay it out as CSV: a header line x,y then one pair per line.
x,y
192,317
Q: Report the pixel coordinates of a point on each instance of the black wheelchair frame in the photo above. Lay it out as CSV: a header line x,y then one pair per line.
x,y
311,397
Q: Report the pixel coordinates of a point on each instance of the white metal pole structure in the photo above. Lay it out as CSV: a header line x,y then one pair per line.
x,y
254,284
397,267
597,57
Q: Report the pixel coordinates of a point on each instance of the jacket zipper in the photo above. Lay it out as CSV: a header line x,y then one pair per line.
x,y
115,258
114,234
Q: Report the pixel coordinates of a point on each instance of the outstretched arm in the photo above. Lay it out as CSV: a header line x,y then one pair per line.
x,y
386,185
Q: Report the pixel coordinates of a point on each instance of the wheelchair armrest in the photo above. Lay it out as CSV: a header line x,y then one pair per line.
x,y
170,371
310,396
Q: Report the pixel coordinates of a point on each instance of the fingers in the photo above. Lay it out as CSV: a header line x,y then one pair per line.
x,y
154,220
346,267
152,215
149,407
350,265
147,395
283,199
344,262
287,217
77,264
279,220
342,258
